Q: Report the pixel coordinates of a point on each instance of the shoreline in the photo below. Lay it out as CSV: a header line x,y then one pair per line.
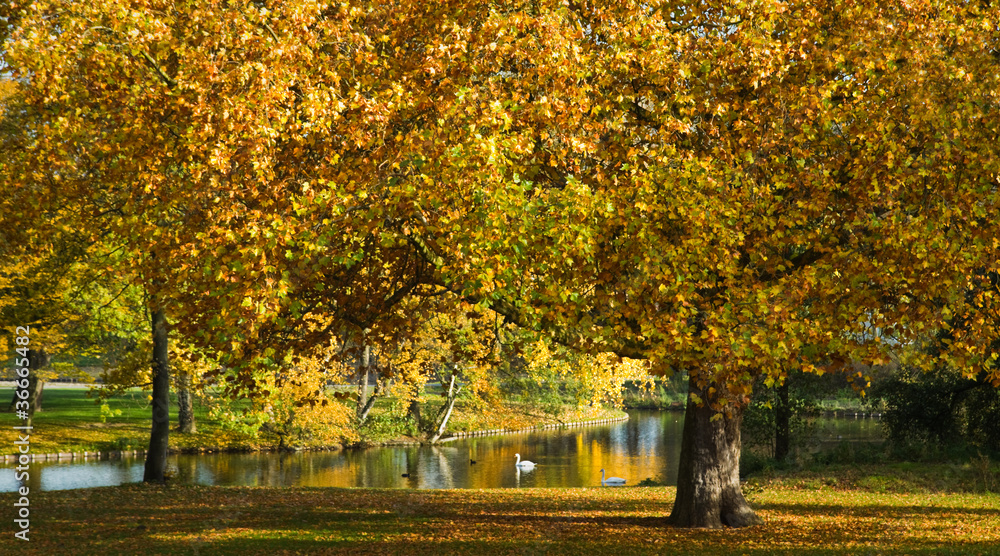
x,y
99,455
104,455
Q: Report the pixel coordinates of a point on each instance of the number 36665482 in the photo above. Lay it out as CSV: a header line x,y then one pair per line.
x,y
21,365
22,341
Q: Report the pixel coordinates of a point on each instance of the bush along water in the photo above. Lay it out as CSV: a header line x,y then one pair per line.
x,y
941,410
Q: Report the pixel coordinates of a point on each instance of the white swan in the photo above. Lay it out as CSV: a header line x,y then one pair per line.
x,y
611,481
523,464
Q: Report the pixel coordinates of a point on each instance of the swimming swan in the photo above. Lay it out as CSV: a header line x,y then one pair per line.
x,y
523,464
611,481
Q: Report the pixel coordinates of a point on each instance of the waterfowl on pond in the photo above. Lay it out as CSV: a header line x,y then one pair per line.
x,y
523,464
611,481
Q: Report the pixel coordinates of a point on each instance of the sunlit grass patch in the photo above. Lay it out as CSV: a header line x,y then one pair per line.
x,y
222,520
977,476
70,421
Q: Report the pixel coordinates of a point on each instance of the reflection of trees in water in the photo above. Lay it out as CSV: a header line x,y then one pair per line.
x,y
187,469
437,467
352,468
648,436
645,446
377,468
433,469
410,468
276,470
34,479
65,475
619,439
848,428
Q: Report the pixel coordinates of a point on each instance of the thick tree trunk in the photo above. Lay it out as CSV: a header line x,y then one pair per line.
x,y
708,481
38,359
185,405
414,412
159,434
35,387
782,423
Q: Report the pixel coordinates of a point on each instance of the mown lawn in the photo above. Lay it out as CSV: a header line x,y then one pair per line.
x,y
138,519
72,422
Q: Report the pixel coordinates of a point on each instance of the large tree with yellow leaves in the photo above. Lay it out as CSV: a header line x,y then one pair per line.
x,y
733,188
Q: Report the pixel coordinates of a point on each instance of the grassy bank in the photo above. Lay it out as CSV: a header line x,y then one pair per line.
x,y
980,474
664,394
801,518
72,422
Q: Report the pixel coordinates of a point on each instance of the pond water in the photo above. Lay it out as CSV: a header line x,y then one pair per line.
x,y
645,446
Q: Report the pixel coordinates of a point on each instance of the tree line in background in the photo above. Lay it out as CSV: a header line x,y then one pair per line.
x,y
737,190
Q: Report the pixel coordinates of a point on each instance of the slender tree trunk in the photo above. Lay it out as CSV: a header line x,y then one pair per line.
x,y
185,405
708,481
159,434
365,402
445,414
782,423
363,416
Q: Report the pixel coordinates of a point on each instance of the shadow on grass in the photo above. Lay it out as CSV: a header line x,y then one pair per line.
x,y
138,519
914,510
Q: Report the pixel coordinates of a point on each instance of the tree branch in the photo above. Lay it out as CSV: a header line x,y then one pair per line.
x,y
171,83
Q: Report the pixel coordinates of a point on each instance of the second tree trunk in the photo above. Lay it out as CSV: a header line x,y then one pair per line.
x,y
159,434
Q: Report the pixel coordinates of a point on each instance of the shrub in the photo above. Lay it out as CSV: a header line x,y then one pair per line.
x,y
941,408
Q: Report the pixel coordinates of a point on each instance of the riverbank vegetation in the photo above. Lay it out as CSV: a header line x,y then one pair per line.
x,y
72,421
893,510
458,371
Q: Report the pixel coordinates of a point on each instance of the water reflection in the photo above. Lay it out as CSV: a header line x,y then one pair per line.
x,y
647,445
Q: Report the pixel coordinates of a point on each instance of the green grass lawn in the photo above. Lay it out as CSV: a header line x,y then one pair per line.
x,y
72,422
173,519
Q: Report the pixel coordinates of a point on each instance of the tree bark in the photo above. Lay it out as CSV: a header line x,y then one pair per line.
x,y
445,413
708,481
159,434
365,402
366,409
782,423
414,412
38,359
185,405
